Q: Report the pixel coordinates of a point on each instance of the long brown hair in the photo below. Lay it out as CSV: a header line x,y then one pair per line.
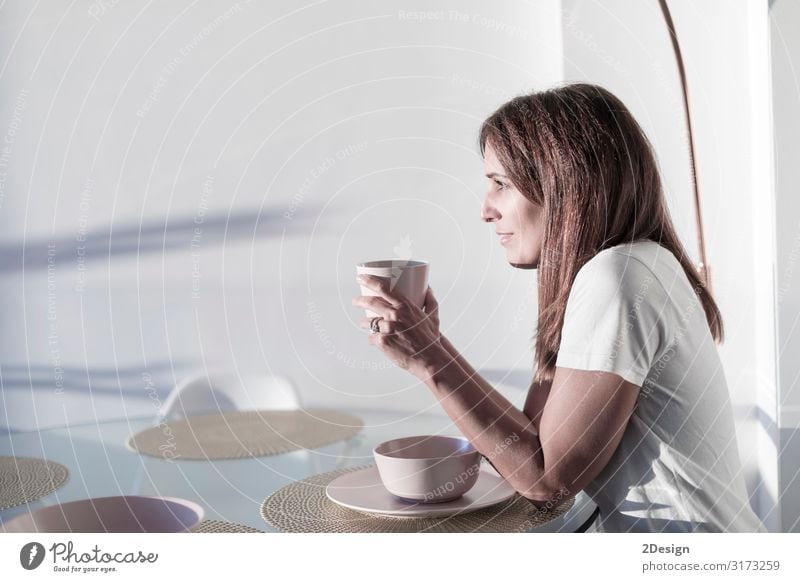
x,y
577,151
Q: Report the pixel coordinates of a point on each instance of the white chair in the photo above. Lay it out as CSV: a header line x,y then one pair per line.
x,y
219,391
205,393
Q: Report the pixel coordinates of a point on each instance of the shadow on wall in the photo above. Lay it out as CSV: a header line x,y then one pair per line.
x,y
162,236
120,380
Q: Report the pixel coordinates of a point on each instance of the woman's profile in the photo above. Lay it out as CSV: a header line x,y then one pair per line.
x,y
629,401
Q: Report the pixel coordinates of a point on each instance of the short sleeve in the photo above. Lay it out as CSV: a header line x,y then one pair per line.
x,y
615,319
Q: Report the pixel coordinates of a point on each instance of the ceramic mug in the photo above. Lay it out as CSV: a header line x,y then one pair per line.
x,y
409,277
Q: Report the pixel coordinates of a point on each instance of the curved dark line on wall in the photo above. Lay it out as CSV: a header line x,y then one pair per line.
x,y
705,270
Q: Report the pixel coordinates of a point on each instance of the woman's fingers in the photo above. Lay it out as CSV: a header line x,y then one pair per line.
x,y
381,286
377,305
431,305
384,326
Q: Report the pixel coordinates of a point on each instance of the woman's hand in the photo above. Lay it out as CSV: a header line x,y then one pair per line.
x,y
431,307
408,335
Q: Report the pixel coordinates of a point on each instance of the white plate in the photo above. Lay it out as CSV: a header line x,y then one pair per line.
x,y
363,491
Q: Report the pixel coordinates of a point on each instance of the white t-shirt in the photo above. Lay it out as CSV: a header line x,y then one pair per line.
x,y
632,311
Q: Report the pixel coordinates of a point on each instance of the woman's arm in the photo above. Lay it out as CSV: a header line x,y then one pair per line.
x,y
582,423
501,432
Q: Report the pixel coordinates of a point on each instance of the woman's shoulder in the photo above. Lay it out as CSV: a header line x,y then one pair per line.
x,y
631,272
624,263
648,252
629,261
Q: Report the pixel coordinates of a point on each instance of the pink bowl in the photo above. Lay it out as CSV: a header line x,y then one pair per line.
x,y
428,468
124,514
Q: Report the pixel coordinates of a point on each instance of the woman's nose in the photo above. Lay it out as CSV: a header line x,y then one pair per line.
x,y
488,212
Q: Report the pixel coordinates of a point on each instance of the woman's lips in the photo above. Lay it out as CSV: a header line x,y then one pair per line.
x,y
504,238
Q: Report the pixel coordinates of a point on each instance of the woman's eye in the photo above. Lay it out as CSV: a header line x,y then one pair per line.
x,y
500,185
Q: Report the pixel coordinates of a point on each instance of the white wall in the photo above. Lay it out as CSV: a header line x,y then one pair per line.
x,y
625,46
208,175
785,29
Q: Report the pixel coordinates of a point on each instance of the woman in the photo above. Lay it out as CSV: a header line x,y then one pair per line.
x,y
629,400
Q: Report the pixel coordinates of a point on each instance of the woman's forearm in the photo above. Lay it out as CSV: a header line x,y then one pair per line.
x,y
488,388
499,430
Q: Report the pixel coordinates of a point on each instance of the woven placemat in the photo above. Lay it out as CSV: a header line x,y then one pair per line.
x,y
303,507
216,526
251,433
24,479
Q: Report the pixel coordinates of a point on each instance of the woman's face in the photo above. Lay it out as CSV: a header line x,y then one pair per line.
x,y
518,221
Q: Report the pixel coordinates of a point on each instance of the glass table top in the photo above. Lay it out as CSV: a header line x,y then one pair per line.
x,y
101,464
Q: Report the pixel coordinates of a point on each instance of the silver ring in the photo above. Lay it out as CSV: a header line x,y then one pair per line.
x,y
374,325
